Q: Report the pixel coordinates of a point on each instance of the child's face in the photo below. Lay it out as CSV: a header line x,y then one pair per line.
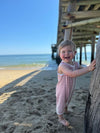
x,y
67,54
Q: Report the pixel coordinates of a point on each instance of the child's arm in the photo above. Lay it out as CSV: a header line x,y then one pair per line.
x,y
78,72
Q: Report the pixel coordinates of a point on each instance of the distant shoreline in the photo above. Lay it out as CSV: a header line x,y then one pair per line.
x,y
33,60
51,65
27,67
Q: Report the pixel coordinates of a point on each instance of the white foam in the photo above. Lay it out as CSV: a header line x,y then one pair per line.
x,y
1,68
50,66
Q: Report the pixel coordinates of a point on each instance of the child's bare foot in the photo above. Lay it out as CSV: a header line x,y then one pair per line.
x,y
64,122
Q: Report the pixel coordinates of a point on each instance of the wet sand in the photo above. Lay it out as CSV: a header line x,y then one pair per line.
x,y
28,102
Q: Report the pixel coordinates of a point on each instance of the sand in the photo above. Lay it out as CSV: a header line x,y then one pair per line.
x,y
28,102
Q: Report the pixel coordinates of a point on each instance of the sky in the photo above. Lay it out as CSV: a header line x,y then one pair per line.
x,y
28,26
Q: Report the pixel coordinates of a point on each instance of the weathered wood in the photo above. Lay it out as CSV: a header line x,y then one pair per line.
x,y
65,0
82,41
77,7
92,112
80,37
84,22
81,6
86,7
68,32
85,52
82,14
92,48
88,2
80,53
84,2
59,20
83,33
87,28
96,6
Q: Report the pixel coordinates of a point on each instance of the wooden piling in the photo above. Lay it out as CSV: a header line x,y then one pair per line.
x,y
92,48
80,54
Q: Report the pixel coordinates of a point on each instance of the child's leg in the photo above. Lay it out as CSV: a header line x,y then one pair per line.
x,y
66,110
63,121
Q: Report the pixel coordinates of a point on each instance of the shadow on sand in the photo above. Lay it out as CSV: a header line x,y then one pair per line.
x,y
31,107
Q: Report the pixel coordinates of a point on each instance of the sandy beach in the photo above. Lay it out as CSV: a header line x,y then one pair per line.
x,y
28,102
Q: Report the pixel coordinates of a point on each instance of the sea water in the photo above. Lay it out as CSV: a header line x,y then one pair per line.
x,y
34,60
24,60
85,62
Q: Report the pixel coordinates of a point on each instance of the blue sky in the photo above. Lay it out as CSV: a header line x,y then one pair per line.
x,y
28,26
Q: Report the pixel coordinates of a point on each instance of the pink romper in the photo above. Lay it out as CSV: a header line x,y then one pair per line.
x,y
64,88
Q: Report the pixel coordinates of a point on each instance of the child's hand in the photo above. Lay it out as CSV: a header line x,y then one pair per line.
x,y
92,65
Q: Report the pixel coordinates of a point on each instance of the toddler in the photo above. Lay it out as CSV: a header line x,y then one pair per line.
x,y
68,70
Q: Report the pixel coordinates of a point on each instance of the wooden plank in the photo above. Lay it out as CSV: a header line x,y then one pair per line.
x,y
88,29
65,0
81,14
59,41
65,9
80,37
86,7
88,2
77,7
84,2
60,34
96,6
83,33
84,22
84,42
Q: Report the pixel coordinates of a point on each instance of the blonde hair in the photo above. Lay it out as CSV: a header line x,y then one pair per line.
x,y
66,43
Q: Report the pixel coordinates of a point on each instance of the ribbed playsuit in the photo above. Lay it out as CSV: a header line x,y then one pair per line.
x,y
64,88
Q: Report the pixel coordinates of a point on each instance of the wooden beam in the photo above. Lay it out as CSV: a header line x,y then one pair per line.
x,y
84,2
96,6
78,37
78,45
62,8
59,41
65,9
65,0
77,7
82,14
60,34
84,22
88,29
83,42
82,36
86,7
81,33
88,2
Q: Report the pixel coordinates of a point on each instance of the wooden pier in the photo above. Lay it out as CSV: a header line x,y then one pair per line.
x,y
79,21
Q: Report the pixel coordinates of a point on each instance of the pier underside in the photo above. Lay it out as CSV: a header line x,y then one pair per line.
x,y
79,21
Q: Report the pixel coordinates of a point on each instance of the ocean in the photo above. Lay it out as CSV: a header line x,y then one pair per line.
x,y
24,60
85,62
33,60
